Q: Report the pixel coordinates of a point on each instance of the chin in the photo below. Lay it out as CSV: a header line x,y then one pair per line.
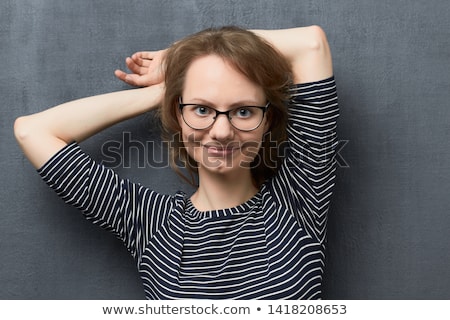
x,y
230,165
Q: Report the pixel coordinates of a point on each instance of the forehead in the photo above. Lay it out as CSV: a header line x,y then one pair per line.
x,y
212,78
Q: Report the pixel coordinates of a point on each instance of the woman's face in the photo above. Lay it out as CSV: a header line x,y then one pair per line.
x,y
212,81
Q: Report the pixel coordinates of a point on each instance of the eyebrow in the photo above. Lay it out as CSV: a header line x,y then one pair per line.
x,y
241,103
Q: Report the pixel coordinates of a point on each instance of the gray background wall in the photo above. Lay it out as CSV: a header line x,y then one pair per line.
x,y
390,218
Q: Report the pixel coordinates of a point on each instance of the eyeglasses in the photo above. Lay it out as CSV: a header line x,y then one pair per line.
x,y
199,117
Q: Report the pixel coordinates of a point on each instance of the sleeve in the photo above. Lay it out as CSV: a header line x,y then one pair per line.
x,y
133,213
305,181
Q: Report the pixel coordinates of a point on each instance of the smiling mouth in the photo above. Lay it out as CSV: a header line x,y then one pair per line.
x,y
219,151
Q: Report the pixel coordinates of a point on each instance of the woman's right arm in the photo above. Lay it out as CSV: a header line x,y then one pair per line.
x,y
43,134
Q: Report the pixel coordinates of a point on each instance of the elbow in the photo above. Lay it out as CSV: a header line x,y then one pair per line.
x,y
37,144
317,40
312,60
21,129
26,131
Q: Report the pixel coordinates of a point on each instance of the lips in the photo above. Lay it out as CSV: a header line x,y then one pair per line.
x,y
219,150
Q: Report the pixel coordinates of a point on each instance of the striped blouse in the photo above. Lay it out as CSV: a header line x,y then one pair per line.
x,y
270,247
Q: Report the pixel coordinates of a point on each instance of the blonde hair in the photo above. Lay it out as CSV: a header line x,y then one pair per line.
x,y
258,61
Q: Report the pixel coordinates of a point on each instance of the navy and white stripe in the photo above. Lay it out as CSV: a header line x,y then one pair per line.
x,y
270,247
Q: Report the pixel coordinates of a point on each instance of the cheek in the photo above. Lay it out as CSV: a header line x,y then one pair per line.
x,y
189,135
252,145
191,142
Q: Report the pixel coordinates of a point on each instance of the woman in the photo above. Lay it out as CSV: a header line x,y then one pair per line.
x,y
255,227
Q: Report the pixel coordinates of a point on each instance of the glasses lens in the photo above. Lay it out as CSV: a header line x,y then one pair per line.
x,y
198,116
246,118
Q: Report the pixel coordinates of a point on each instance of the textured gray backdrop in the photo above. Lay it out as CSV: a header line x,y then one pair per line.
x,y
390,217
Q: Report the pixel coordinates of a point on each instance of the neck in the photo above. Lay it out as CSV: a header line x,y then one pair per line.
x,y
221,191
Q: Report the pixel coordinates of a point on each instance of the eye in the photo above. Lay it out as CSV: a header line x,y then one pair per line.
x,y
243,112
200,110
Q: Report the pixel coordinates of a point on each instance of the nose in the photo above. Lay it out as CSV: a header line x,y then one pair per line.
x,y
222,130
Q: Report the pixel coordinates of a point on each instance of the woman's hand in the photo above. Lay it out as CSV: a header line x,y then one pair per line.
x,y
146,69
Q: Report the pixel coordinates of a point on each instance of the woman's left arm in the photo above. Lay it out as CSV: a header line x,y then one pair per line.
x,y
306,48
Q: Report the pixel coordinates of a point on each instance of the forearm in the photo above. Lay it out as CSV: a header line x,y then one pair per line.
x,y
42,134
306,48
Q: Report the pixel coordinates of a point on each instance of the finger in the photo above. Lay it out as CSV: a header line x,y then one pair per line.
x,y
121,75
140,61
133,79
135,67
125,77
146,55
